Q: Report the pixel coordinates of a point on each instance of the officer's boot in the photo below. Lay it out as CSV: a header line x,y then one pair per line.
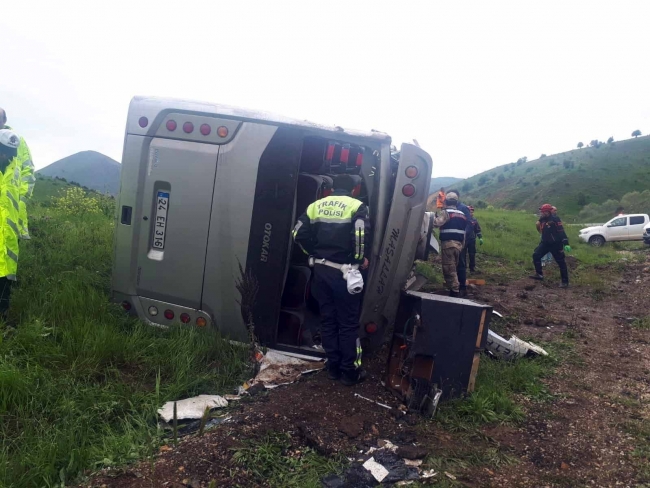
x,y
354,377
454,294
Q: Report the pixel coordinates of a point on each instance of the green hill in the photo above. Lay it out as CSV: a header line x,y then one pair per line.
x,y
88,168
568,180
442,182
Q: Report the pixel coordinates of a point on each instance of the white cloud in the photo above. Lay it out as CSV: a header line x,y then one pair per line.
x,y
476,83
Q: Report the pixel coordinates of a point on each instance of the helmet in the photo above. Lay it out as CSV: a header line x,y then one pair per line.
x,y
8,138
451,198
547,207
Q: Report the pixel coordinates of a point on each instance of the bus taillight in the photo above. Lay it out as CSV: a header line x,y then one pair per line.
x,y
408,190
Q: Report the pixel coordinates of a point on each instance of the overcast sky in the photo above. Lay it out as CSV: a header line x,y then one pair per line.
x,y
477,83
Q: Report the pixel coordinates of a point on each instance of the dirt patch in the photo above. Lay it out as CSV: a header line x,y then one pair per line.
x,y
576,438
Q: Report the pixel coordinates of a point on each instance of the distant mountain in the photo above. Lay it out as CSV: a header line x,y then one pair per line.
x,y
442,182
568,180
88,168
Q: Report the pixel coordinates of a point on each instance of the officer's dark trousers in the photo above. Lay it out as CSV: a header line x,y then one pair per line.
x,y
339,312
5,296
557,250
471,250
461,269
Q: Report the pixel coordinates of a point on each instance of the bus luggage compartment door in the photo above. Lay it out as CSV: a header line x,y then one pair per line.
x,y
177,198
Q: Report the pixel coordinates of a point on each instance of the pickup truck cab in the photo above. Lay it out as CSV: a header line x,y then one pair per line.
x,y
620,228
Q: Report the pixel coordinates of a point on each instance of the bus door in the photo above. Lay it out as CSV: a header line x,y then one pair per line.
x,y
177,198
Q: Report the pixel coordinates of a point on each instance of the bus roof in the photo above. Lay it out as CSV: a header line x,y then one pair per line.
x,y
151,106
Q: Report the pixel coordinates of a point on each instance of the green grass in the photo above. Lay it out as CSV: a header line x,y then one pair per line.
x,y
642,323
598,175
80,381
275,461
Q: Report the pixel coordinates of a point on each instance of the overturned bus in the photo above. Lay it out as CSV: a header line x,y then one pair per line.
x,y
209,190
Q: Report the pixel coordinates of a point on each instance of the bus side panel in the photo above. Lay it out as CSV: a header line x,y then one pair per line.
x,y
133,173
271,225
400,241
186,172
230,225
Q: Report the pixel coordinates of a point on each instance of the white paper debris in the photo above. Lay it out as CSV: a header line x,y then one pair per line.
x,y
376,469
416,463
428,474
450,476
191,408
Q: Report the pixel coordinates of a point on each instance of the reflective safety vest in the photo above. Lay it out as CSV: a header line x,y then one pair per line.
x,y
454,228
335,228
27,180
9,214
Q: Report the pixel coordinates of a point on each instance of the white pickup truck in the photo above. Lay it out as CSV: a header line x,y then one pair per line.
x,y
620,228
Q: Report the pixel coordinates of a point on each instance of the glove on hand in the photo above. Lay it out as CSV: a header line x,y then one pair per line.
x,y
567,248
480,241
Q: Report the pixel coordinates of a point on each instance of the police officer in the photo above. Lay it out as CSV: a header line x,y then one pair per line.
x,y
335,231
555,241
27,179
9,209
453,224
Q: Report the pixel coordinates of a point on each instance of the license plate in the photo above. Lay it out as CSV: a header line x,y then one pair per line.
x,y
160,227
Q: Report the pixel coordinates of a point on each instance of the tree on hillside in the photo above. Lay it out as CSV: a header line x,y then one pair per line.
x,y
542,156
483,180
501,178
580,144
595,143
636,133
521,160
582,199
467,186
610,140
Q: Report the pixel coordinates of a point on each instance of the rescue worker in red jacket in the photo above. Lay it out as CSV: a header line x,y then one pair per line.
x,y
555,241
335,232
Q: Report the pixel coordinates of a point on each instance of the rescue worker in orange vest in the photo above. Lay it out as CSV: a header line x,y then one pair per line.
x,y
452,223
440,200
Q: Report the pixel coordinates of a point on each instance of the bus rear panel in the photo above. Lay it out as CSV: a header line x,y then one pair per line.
x,y
208,191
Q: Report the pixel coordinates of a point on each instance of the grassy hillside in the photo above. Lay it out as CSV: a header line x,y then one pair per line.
x,y
442,182
88,168
569,180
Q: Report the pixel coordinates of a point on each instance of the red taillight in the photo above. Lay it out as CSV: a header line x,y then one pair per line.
x,y
371,327
222,131
360,158
126,306
143,122
205,129
185,318
188,127
408,190
169,315
329,155
411,171
345,154
171,125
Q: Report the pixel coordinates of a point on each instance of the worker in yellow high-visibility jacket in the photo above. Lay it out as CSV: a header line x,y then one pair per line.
x,y
9,212
27,178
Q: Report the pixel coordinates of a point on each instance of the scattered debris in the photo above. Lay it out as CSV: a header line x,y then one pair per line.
x,y
278,369
192,408
450,476
383,405
376,469
514,348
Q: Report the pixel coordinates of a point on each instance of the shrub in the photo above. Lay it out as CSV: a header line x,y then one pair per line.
x,y
481,204
75,201
483,180
528,170
501,178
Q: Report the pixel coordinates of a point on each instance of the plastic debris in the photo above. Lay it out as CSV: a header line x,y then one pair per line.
x,y
192,408
372,401
511,349
450,476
